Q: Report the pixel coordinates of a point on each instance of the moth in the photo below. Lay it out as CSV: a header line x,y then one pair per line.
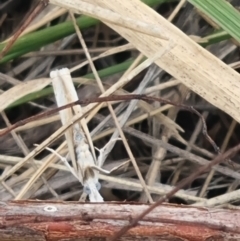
x,y
85,165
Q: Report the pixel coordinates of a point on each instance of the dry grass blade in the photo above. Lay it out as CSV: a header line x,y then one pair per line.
x,y
115,18
198,69
21,90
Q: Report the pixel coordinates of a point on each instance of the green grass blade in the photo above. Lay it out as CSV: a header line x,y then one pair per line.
x,y
223,13
216,37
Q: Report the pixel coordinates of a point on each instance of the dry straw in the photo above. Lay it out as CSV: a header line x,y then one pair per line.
x,y
188,62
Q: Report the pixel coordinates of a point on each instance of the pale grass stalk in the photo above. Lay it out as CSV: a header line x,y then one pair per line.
x,y
111,51
21,90
114,18
219,200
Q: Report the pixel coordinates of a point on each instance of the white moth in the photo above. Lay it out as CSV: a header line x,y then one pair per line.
x,y
85,166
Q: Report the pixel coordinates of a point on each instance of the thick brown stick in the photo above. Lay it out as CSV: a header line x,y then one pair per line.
x,y
40,220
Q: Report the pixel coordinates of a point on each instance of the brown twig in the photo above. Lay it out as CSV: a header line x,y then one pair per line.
x,y
115,98
36,10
